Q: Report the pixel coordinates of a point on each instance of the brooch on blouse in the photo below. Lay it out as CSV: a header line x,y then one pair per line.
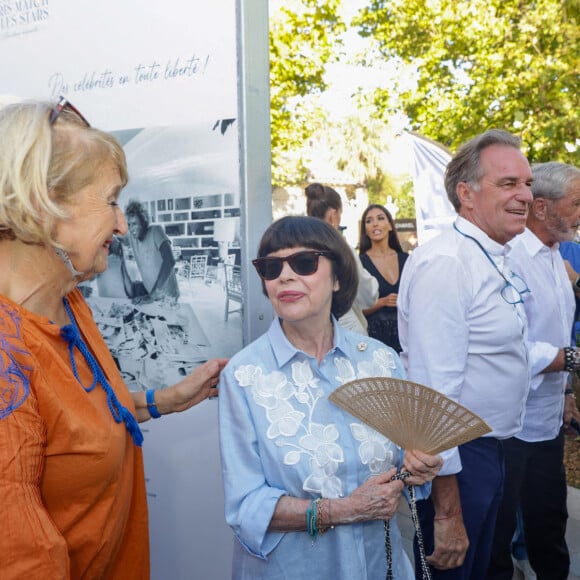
x,y
362,346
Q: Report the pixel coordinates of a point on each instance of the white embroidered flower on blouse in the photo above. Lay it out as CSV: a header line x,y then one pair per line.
x,y
374,450
272,392
284,420
381,365
270,389
345,370
302,375
322,442
322,480
306,382
247,375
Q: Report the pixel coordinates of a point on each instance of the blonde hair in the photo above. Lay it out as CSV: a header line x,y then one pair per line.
x,y
43,167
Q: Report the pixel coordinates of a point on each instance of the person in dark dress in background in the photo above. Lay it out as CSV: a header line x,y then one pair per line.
x,y
382,255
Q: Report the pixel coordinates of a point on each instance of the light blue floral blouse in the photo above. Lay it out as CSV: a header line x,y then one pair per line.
x,y
280,435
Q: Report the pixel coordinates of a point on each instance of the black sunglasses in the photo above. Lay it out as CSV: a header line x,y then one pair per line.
x,y
64,105
304,263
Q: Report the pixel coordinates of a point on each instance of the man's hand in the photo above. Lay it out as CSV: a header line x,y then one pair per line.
x,y
451,542
449,534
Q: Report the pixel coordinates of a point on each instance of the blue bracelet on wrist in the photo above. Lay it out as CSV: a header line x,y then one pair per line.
x,y
151,406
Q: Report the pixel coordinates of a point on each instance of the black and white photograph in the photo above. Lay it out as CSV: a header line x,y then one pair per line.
x,y
171,296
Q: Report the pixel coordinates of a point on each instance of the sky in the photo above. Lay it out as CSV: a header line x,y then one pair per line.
x,y
345,78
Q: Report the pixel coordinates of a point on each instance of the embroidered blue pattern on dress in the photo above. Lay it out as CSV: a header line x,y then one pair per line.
x,y
14,378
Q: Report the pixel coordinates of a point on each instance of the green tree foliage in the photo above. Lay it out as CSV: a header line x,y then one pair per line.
x,y
355,144
401,191
304,37
513,64
359,146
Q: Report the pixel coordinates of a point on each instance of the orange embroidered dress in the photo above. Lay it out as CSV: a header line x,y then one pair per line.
x,y
72,487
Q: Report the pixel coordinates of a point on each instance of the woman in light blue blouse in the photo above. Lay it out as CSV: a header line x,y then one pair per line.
x,y
307,486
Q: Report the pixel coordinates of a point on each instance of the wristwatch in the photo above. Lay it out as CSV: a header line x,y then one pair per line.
x,y
577,283
571,359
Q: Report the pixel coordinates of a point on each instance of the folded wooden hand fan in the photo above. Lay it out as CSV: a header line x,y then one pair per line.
x,y
409,414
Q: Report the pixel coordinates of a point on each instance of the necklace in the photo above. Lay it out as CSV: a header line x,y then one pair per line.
x,y
482,249
513,290
72,336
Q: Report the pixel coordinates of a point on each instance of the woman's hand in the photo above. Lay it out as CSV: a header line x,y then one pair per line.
x,y
376,499
422,467
194,388
388,300
197,386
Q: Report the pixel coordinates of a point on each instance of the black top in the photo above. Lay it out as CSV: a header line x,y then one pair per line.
x,y
383,322
385,287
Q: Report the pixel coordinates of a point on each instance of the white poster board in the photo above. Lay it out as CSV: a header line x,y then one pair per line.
x,y
128,64
165,77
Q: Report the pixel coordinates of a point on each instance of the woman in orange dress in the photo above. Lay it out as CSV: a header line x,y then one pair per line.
x,y
72,486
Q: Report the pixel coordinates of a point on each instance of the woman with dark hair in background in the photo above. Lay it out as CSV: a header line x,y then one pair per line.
x,y
324,203
382,255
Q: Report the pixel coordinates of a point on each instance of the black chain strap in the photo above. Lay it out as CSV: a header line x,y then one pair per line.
x,y
402,475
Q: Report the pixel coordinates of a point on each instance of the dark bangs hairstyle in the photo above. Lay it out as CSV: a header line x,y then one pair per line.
x,y
315,234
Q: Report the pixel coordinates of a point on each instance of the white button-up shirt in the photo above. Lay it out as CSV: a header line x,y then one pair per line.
x,y
550,311
459,335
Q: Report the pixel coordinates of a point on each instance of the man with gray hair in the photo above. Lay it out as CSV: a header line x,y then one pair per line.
x,y
535,477
462,328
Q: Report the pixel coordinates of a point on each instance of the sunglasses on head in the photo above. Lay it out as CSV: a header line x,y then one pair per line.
x,y
64,105
303,263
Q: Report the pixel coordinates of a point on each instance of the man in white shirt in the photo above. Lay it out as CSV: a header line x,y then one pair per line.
x,y
462,328
535,476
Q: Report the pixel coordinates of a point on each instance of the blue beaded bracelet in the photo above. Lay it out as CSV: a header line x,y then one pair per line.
x,y
151,406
